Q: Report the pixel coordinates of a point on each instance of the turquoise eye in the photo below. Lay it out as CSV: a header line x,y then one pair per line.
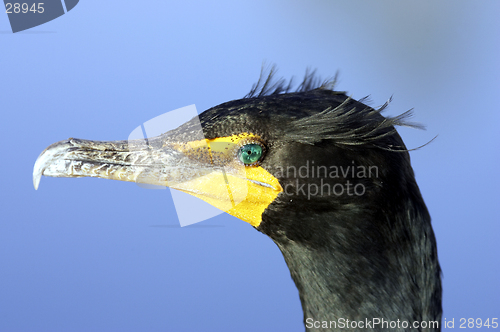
x,y
250,153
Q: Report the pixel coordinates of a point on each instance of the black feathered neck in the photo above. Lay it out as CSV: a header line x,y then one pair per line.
x,y
363,256
355,257
358,257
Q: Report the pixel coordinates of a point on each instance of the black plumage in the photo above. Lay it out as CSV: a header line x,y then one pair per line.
x,y
351,256
366,251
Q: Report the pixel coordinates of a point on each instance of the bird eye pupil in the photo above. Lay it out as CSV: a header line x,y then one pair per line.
x,y
250,153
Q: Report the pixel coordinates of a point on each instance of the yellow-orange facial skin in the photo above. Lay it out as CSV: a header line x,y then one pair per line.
x,y
242,191
209,169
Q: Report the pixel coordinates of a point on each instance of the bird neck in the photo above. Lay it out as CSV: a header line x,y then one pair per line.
x,y
364,265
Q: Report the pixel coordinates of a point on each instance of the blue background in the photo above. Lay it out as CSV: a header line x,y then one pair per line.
x,y
96,255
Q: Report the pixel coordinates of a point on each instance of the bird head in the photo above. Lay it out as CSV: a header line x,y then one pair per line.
x,y
327,177
249,153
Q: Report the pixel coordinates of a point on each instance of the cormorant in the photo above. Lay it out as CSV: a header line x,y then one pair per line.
x,y
326,177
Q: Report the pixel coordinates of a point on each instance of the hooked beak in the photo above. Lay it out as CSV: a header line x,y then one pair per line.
x,y
201,168
152,162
